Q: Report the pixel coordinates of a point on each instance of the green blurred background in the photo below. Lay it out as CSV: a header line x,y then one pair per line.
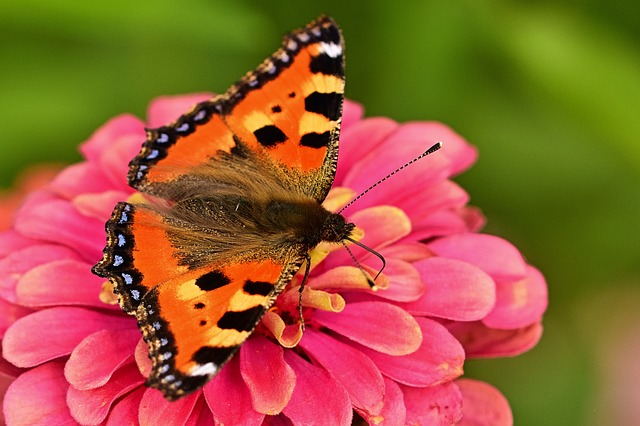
x,y
548,90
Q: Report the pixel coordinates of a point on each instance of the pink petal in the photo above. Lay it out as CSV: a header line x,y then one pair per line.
x,y
98,356
378,325
483,405
405,284
455,148
5,382
55,332
495,256
115,161
519,303
155,410
382,225
59,222
351,368
270,388
360,138
81,178
317,397
437,224
91,407
125,411
436,405
38,397
352,112
394,411
164,110
454,290
482,342
102,139
408,183
36,288
99,206
229,399
439,359
22,260
10,314
12,241
427,200
409,251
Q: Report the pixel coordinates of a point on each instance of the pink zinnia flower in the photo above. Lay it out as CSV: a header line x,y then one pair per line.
x,y
394,356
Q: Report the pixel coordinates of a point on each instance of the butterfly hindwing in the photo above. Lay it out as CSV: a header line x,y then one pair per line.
x,y
193,327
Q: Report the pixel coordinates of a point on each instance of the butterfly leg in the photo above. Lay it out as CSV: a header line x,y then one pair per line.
x,y
307,269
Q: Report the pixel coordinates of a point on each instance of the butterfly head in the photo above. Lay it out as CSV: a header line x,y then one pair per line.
x,y
336,228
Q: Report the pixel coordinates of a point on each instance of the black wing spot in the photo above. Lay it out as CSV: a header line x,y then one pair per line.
x,y
242,320
270,135
203,323
292,94
261,288
315,140
199,305
327,104
216,355
212,280
276,108
325,64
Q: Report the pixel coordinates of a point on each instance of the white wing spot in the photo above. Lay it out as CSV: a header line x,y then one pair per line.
x,y
128,279
331,49
208,369
117,260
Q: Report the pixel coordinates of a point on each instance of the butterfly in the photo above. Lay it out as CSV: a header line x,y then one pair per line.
x,y
232,205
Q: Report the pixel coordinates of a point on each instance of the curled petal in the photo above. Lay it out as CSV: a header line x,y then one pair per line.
x,y
65,328
454,290
439,359
351,368
495,256
229,398
91,407
377,325
479,341
519,303
331,401
312,298
287,335
340,278
98,356
337,198
270,388
483,405
80,286
23,406
166,109
434,405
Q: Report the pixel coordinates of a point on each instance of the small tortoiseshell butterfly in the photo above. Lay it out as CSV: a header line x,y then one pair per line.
x,y
232,208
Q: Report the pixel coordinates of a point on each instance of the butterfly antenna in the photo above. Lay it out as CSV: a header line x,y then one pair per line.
x,y
431,150
301,289
371,282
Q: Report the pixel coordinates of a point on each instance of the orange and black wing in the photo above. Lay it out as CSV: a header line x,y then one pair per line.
x,y
289,109
193,327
